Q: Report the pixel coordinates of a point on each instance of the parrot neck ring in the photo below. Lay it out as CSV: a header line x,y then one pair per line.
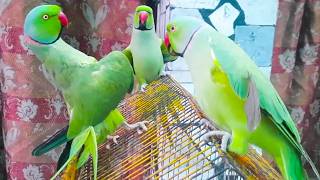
x,y
187,45
63,21
47,43
142,28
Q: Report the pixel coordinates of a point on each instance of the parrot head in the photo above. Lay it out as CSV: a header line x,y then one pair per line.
x,y
44,24
143,18
180,33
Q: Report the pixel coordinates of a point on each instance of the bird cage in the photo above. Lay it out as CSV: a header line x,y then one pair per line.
x,y
172,147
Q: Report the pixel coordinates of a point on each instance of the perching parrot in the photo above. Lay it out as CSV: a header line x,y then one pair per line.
x,y
91,89
237,96
146,50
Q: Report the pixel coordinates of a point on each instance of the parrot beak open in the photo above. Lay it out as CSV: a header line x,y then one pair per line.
x,y
63,19
143,16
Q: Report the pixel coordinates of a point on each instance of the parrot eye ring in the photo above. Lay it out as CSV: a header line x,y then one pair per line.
x,y
173,29
45,17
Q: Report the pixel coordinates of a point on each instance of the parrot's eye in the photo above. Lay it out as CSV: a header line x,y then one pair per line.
x,y
45,17
173,29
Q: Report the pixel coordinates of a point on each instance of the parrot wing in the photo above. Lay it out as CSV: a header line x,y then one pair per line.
x,y
128,54
107,83
252,106
250,84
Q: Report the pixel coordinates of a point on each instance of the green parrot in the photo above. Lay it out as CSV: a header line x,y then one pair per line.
x,y
91,89
146,51
237,96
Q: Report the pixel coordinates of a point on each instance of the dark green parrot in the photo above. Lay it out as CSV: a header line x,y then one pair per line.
x,y
91,89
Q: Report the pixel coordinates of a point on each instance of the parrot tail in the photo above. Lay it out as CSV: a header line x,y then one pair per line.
x,y
82,146
290,164
64,155
54,141
313,166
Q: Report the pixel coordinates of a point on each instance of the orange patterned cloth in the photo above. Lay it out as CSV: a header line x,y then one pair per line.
x,y
32,109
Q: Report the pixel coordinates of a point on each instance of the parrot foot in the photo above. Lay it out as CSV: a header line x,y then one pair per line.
x,y
143,87
163,73
206,123
140,126
114,140
224,141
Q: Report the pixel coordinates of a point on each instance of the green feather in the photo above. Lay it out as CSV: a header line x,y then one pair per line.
x,y
91,89
238,72
54,141
225,79
87,139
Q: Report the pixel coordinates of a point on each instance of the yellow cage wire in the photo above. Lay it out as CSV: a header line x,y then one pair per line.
x,y
172,146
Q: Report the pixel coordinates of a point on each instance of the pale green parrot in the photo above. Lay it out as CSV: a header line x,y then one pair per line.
x,y
146,50
91,89
237,96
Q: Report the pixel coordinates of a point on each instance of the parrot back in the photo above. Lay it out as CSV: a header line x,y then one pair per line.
x,y
98,90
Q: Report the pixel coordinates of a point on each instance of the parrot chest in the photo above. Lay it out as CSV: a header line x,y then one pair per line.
x,y
220,104
213,90
147,56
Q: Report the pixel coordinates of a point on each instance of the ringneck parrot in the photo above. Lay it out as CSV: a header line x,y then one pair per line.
x,y
91,89
237,96
146,51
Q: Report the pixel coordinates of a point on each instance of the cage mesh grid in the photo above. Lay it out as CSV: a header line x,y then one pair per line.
x,y
172,146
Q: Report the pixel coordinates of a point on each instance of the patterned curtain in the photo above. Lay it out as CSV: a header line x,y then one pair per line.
x,y
295,67
32,109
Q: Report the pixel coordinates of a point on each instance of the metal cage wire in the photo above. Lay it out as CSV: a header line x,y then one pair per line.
x,y
172,146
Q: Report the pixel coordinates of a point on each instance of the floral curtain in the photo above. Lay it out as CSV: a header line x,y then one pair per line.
x,y
32,109
295,67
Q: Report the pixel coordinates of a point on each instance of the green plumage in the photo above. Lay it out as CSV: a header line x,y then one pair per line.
x,y
146,50
57,139
91,89
233,92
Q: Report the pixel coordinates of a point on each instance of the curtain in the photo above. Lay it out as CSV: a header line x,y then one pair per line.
x,y
32,108
295,68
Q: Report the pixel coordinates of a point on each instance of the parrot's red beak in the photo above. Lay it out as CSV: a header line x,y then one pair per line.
x,y
63,19
166,40
143,16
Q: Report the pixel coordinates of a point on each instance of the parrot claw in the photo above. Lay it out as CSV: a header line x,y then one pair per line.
x,y
114,140
163,73
140,126
108,146
206,123
224,140
143,87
